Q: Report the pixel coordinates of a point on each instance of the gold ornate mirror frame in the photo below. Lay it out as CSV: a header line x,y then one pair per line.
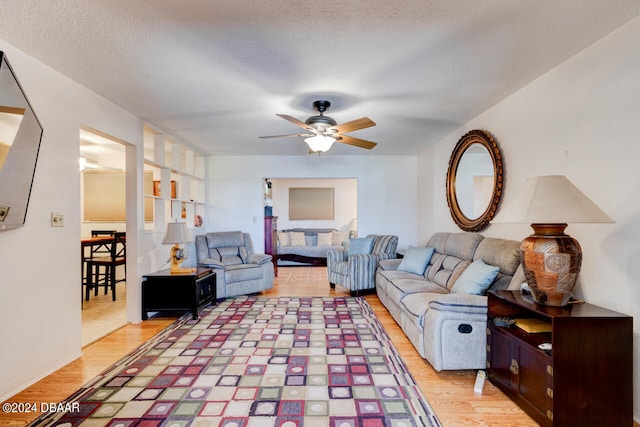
x,y
485,139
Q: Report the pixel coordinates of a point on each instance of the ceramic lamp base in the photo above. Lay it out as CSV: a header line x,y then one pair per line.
x,y
551,261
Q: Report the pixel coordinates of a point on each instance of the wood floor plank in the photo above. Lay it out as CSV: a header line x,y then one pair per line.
x,y
450,393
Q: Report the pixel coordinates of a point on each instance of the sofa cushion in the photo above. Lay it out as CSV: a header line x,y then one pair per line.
x,y
411,285
476,278
243,272
225,239
499,252
360,246
417,304
416,260
297,238
517,280
325,239
389,264
502,253
338,237
445,269
283,238
462,245
231,255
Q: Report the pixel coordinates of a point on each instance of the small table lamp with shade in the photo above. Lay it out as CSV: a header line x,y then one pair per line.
x,y
551,260
177,233
353,228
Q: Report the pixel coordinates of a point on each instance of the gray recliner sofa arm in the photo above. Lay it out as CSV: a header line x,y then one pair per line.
x,y
259,259
455,332
211,263
460,303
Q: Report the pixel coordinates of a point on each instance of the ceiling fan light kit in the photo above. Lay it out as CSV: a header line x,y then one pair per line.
x,y
324,130
320,143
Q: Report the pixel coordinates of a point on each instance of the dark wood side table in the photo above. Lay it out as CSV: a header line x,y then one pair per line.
x,y
584,379
163,291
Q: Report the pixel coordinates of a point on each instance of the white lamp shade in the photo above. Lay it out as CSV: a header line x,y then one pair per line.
x,y
353,225
320,143
177,232
550,200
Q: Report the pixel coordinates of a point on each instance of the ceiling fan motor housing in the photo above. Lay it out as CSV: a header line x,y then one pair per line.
x,y
321,122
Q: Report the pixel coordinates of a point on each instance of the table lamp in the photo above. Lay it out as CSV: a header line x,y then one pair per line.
x,y
551,260
353,228
177,233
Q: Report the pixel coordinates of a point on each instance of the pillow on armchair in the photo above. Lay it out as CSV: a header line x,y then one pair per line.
x,y
360,246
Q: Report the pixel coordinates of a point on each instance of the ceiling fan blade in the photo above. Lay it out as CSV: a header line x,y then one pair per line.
x,y
295,121
286,136
362,143
357,124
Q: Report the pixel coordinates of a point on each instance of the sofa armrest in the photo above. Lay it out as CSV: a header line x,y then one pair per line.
x,y
390,264
259,259
336,256
362,271
460,303
210,263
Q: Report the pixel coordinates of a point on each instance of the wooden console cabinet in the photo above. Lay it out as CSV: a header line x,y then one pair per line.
x,y
163,291
271,240
584,380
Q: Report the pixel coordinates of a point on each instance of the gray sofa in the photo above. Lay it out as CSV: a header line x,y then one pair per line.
x,y
310,250
448,328
239,270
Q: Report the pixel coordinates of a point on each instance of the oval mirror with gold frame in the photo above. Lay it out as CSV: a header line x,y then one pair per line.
x,y
474,180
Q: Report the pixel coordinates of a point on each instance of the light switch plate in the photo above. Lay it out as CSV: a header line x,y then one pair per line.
x,y
57,219
4,211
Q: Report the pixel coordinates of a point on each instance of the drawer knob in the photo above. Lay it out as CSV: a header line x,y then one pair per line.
x,y
514,367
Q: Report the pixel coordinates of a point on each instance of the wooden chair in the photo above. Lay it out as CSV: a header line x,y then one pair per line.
x,y
92,248
97,277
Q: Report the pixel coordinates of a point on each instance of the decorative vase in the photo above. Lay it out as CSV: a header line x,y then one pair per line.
x,y
551,261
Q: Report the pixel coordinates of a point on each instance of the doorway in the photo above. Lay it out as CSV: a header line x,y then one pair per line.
x,y
103,209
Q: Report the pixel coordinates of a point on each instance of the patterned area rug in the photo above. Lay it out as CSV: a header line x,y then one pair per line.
x,y
259,362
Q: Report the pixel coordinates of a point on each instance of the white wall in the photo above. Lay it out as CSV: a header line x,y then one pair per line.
x,y
582,120
387,191
345,202
40,291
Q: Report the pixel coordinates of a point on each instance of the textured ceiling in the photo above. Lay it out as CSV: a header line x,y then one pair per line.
x,y
214,73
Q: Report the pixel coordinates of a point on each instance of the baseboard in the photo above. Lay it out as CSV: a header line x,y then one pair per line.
x,y
17,387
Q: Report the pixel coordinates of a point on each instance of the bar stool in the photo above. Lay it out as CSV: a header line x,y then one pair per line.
x,y
101,270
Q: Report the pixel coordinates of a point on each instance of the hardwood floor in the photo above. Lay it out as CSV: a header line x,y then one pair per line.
x,y
101,315
449,393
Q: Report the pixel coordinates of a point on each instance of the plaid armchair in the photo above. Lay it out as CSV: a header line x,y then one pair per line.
x,y
355,269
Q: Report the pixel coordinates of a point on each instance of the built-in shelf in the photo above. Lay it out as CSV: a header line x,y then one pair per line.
x,y
176,191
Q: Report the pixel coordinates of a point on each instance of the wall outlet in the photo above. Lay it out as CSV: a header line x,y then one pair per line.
x,y
57,219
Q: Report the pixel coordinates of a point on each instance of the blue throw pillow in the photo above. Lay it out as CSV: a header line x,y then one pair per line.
x,y
476,279
416,260
360,246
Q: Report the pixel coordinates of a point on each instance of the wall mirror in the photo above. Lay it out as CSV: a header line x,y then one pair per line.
x,y
474,180
20,135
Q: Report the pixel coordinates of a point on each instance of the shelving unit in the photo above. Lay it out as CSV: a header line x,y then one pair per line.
x,y
176,190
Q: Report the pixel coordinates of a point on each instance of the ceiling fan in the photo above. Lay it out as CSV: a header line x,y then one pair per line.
x,y
323,131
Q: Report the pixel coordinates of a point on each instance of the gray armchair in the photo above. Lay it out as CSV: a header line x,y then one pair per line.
x,y
239,270
356,271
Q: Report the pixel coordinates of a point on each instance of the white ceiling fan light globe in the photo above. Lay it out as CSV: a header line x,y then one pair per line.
x,y
320,143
